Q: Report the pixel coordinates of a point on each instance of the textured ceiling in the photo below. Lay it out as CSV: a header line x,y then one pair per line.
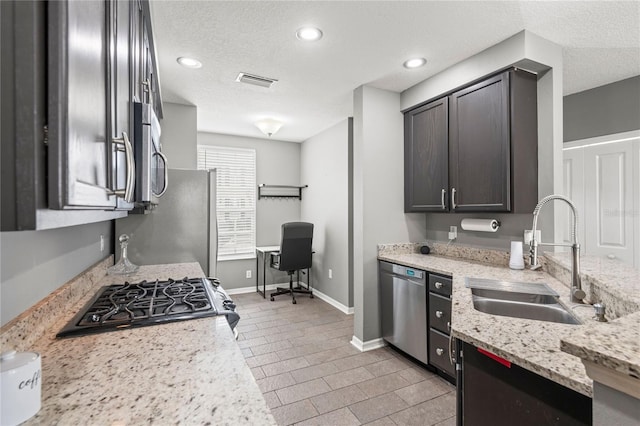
x,y
365,42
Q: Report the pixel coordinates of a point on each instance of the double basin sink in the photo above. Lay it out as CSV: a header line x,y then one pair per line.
x,y
536,301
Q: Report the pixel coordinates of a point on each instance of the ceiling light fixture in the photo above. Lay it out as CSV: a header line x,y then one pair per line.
x,y
268,126
309,34
189,62
414,63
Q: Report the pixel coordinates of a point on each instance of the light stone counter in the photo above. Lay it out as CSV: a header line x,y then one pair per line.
x,y
616,347
186,372
534,345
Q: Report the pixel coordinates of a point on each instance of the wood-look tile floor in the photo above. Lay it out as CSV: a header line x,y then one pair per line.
x,y
310,374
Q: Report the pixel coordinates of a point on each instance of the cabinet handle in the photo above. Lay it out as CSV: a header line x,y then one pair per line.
x,y
123,144
449,326
438,284
453,198
438,314
166,174
439,351
452,359
443,194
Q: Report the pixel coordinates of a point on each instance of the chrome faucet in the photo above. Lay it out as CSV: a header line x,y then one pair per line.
x,y
576,292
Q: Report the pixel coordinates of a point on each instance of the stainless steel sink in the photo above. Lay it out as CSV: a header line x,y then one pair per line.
x,y
536,301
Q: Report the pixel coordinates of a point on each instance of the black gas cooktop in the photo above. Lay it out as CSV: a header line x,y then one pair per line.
x,y
146,303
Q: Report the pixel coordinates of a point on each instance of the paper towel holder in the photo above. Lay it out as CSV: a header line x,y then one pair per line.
x,y
480,225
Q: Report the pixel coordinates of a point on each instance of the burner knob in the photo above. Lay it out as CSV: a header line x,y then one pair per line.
x,y
95,318
231,306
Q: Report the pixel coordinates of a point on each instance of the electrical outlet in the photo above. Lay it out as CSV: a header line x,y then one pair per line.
x,y
453,232
330,274
527,235
248,273
101,242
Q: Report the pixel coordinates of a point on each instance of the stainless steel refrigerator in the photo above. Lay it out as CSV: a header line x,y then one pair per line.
x,y
182,228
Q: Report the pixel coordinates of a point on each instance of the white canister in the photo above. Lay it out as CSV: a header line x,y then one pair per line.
x,y
516,261
20,383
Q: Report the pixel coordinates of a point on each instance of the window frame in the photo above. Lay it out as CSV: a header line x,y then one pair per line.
x,y
224,161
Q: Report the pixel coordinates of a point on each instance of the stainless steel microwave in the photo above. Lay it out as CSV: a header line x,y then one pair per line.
x,y
151,163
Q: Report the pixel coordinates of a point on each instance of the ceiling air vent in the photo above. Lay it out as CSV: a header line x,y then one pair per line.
x,y
256,80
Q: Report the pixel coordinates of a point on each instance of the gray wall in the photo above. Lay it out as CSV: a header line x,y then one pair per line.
x,y
531,52
324,167
35,263
179,135
511,229
378,198
277,163
612,108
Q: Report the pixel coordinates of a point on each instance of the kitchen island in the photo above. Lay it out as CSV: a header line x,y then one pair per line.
x,y
534,345
184,372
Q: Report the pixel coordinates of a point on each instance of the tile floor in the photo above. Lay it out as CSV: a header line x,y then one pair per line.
x,y
310,374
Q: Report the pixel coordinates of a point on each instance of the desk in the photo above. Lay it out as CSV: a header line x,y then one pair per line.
x,y
262,254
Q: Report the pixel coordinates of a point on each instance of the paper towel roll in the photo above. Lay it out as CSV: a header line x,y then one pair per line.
x,y
482,225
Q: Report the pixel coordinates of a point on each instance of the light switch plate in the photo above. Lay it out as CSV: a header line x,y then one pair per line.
x,y
453,232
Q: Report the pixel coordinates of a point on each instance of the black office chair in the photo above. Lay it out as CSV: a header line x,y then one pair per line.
x,y
295,255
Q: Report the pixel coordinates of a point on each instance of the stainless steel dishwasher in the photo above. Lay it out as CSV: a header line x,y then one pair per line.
x,y
403,308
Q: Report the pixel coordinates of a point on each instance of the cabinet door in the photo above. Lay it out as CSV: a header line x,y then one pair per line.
x,y
137,87
121,111
479,158
79,148
426,158
495,393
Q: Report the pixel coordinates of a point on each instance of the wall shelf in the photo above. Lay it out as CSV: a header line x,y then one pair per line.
x,y
280,191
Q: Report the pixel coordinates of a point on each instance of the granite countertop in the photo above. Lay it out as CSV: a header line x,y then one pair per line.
x,y
534,345
616,347
181,372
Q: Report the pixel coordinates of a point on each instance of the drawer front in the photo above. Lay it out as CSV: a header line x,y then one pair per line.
x,y
440,284
439,312
439,352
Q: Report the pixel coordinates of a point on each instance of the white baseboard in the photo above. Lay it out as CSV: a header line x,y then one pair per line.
x,y
320,295
368,345
333,302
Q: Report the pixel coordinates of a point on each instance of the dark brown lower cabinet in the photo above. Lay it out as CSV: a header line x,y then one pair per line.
x,y
494,393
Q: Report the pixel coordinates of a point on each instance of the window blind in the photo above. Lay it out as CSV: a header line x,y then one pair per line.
x,y
236,198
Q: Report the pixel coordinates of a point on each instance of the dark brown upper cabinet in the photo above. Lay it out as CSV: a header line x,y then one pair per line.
x,y
426,157
487,159
66,107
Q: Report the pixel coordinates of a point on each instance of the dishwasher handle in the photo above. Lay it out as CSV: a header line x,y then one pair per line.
x,y
407,272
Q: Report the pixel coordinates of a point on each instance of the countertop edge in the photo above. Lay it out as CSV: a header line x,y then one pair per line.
x,y
575,379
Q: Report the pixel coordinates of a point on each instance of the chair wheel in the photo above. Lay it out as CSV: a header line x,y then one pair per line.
x,y
311,296
272,299
294,301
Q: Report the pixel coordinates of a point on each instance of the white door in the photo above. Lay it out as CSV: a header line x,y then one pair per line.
x,y
573,188
602,177
609,201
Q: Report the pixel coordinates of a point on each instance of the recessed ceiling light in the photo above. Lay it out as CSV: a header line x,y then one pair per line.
x,y
415,63
309,34
189,62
